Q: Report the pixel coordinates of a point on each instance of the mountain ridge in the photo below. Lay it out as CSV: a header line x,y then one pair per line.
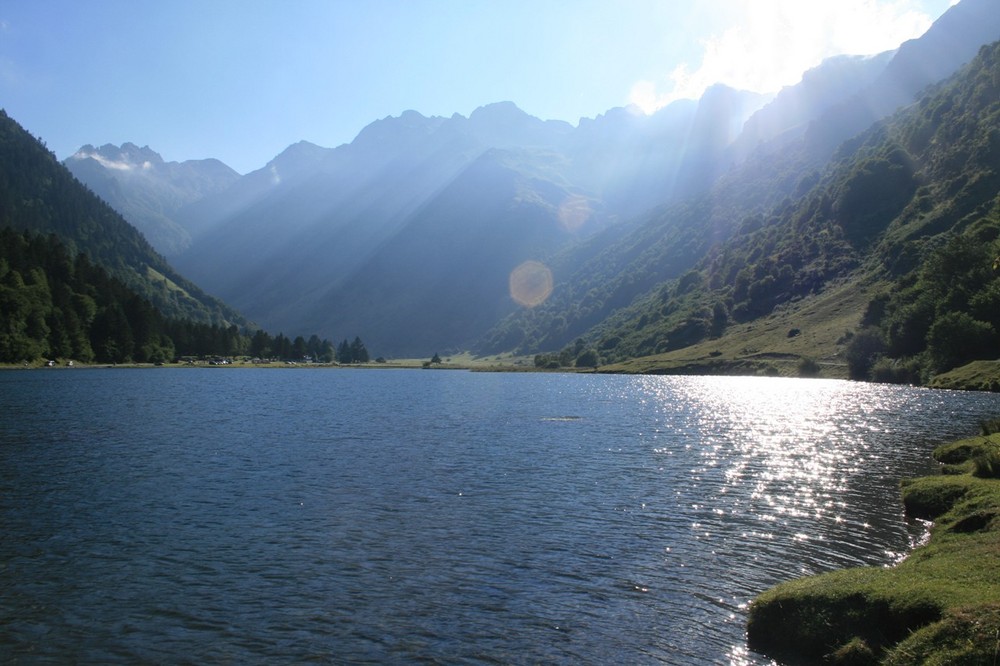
x,y
147,190
653,195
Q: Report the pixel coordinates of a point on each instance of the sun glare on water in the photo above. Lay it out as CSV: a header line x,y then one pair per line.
x,y
783,436
773,474
793,448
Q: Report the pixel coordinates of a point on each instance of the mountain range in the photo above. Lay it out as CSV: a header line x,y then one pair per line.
x,y
148,191
409,235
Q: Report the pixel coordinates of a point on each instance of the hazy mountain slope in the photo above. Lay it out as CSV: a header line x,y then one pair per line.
x,y
147,191
788,115
443,279
39,194
913,202
295,162
632,162
610,299
313,225
950,42
282,236
602,275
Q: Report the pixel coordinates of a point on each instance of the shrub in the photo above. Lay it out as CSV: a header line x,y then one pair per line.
x,y
956,338
808,368
889,371
862,351
588,359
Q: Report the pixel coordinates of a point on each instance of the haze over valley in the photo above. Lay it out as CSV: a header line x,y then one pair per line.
x,y
409,234
705,224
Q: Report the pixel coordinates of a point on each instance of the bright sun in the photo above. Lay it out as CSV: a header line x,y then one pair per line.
x,y
763,46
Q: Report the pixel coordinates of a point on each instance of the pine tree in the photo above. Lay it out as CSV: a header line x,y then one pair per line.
x,y
359,354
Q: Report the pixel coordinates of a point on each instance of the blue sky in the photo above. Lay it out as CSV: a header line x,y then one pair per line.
x,y
242,80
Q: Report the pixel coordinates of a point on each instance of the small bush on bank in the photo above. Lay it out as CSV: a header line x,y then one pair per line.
x,y
986,465
808,368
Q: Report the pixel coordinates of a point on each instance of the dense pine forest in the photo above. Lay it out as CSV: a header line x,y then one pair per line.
x,y
57,306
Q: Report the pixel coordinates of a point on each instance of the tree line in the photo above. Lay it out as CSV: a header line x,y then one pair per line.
x,y
55,305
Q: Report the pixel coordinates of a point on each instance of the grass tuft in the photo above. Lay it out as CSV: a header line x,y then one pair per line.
x,y
963,636
986,465
854,653
941,605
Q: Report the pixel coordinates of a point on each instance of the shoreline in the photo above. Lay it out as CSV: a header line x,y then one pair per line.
x,y
468,364
976,376
942,601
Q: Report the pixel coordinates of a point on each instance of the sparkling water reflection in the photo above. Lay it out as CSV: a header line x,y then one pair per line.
x,y
260,516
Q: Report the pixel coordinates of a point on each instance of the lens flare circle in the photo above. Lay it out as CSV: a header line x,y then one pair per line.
x,y
530,283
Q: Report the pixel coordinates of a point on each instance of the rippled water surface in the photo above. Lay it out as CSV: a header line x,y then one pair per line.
x,y
352,516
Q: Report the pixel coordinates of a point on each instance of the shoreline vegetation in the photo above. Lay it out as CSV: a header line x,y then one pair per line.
x,y
975,376
499,363
940,605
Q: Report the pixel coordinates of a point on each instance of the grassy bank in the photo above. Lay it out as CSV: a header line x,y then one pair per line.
x,y
941,605
812,330
976,376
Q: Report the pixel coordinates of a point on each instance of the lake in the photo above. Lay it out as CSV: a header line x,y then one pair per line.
x,y
226,515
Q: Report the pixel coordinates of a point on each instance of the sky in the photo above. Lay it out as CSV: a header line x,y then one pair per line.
x,y
241,80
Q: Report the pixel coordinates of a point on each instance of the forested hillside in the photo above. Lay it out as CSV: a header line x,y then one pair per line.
x,y
616,295
79,283
659,233
911,205
941,251
38,194
57,306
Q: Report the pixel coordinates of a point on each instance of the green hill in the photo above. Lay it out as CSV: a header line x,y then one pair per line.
x,y
895,240
39,195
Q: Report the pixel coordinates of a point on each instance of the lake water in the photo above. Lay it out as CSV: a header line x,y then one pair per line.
x,y
361,516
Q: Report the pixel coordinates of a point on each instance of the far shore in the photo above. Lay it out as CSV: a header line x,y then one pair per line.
x,y
976,376
463,363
